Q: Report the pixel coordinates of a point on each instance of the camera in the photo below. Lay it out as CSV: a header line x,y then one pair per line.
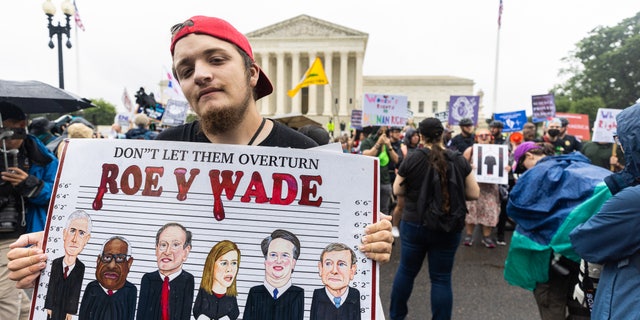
x,y
11,205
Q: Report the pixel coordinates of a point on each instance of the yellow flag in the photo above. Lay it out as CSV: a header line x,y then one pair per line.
x,y
315,75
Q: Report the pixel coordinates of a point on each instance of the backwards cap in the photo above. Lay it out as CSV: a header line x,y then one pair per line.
x,y
222,30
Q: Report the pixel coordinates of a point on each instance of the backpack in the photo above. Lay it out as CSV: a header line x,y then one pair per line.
x,y
429,202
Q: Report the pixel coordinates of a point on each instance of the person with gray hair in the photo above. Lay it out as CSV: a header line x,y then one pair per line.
x,y
336,300
111,296
277,297
67,272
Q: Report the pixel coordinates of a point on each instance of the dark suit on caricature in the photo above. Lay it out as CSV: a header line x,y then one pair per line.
x,y
180,296
98,305
261,304
281,250
63,294
323,308
111,296
336,300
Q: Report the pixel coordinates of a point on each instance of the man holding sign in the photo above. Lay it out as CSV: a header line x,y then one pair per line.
x,y
213,62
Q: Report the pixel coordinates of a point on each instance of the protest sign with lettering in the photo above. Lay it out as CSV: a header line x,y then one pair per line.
x,y
131,188
605,125
544,107
384,110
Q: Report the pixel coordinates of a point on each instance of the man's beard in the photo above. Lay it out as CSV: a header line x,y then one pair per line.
x,y
225,118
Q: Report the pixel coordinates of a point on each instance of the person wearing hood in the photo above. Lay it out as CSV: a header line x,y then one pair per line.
x,y
543,203
610,237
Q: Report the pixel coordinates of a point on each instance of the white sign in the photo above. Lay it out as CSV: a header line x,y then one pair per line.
x,y
605,125
131,188
384,110
490,163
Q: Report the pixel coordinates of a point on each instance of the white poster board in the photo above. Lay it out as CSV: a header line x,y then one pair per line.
x,y
130,188
605,125
384,110
490,162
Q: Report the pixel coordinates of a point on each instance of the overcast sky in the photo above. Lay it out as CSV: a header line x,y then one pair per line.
x,y
126,42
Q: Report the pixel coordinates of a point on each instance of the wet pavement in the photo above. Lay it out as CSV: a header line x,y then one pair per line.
x,y
479,289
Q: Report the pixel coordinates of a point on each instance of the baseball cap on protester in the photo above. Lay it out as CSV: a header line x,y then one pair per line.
x,y
431,128
465,122
222,30
519,153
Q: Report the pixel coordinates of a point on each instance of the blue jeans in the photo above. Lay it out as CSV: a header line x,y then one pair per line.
x,y
418,242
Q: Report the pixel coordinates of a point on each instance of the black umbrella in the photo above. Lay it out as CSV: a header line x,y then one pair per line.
x,y
39,97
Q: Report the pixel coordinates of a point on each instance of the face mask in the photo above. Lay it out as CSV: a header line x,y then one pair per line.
x,y
553,132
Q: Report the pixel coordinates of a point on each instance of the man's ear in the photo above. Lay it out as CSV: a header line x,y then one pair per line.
x,y
130,262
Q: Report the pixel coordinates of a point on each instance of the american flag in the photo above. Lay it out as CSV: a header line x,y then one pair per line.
x,y
76,16
500,15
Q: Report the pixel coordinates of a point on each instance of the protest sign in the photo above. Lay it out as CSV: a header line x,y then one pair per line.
x,y
131,188
384,110
513,121
490,161
605,125
463,107
578,124
175,112
544,107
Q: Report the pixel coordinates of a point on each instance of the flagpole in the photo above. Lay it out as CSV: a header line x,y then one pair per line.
x,y
495,71
78,81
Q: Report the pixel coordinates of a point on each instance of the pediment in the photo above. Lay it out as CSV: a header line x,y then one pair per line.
x,y
304,26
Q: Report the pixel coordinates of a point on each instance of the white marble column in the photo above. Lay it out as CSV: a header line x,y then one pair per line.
x,y
313,90
358,98
265,108
280,84
344,65
328,97
296,103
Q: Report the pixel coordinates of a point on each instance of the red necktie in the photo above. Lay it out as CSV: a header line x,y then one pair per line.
x,y
164,299
66,272
109,292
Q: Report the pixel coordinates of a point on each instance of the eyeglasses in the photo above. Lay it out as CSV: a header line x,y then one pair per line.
x,y
163,246
119,258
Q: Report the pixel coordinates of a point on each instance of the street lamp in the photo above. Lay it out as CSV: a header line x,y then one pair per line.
x,y
68,10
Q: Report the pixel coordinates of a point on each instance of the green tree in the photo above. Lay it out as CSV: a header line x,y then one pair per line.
x,y
102,114
605,65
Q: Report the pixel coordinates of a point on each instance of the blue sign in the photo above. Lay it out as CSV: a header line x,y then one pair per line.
x,y
513,121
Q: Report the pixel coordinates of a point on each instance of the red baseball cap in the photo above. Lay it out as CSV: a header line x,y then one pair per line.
x,y
222,30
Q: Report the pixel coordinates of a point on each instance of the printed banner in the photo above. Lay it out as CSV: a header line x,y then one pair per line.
x,y
290,203
384,110
578,125
490,162
513,121
605,125
544,107
463,107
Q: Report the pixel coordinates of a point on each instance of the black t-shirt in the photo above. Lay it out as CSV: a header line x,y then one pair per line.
x,y
280,136
413,168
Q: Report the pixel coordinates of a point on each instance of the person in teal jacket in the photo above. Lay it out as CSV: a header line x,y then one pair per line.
x,y
26,182
543,203
610,237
